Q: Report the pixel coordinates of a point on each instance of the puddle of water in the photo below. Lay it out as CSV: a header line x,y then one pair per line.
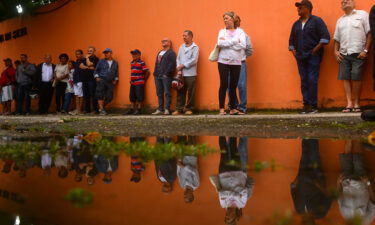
x,y
185,180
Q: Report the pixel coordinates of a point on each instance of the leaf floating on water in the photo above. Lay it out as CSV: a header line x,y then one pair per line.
x,y
371,138
79,197
93,137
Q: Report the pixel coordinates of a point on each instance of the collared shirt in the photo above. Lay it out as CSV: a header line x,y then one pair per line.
x,y
47,72
351,32
138,69
304,38
188,56
188,174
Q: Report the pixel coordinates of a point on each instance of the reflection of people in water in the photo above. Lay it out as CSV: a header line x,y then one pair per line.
x,y
232,183
187,170
84,163
62,163
310,196
46,162
136,164
166,169
106,166
7,165
356,190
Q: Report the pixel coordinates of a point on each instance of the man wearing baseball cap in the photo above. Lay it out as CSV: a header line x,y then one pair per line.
x,y
106,75
308,36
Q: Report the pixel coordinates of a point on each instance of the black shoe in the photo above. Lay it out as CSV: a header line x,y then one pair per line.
x,y
130,112
313,110
305,109
137,112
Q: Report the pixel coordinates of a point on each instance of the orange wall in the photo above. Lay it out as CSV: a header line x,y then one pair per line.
x,y
127,24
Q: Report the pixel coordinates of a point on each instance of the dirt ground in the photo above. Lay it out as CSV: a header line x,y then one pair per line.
x,y
322,125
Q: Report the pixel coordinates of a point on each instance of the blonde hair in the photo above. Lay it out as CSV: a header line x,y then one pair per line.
x,y
233,15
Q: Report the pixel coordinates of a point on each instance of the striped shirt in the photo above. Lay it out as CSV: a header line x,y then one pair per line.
x,y
138,69
136,164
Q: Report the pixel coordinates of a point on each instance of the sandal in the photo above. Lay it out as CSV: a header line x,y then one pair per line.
x,y
233,112
347,110
222,113
241,112
357,110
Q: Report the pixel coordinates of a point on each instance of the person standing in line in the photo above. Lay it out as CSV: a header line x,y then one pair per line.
x,y
232,44
138,77
77,80
372,28
88,81
61,82
307,39
106,75
352,42
7,80
69,92
242,82
44,79
25,73
187,60
165,67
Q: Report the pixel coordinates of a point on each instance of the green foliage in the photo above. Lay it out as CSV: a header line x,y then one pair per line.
x,y
79,197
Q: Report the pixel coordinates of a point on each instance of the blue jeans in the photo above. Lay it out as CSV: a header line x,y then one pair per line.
x,y
163,87
242,150
242,88
309,72
23,93
67,100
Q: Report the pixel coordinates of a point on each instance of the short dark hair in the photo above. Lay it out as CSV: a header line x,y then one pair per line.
x,y
189,32
24,55
64,55
79,50
63,173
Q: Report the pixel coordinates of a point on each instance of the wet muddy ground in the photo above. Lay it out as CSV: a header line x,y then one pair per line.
x,y
327,125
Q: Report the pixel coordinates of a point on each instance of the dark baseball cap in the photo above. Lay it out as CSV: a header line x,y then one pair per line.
x,y
306,3
107,50
135,52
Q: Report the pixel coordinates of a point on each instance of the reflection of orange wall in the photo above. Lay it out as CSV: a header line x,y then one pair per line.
x,y
124,25
124,202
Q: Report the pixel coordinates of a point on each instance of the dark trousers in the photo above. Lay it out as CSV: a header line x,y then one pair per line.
x,y
45,96
60,95
23,94
163,87
230,159
309,73
226,72
189,90
88,88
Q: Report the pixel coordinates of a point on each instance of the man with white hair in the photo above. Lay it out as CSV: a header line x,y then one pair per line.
x,y
352,42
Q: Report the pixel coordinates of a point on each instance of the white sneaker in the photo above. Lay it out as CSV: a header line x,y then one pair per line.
x,y
166,112
157,112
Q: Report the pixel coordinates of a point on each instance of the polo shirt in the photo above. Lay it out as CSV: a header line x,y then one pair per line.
x,y
138,69
304,38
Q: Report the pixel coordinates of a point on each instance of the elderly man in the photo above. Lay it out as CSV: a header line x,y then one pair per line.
x,y
352,43
187,60
44,79
165,67
307,39
106,75
24,75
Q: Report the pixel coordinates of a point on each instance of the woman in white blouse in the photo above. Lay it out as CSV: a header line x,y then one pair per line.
x,y
232,44
61,81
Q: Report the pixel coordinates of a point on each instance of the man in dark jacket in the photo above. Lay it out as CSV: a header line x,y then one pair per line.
x,y
308,36
25,74
106,75
165,67
44,80
87,67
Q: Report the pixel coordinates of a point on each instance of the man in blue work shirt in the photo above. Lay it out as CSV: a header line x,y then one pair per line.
x,y
308,36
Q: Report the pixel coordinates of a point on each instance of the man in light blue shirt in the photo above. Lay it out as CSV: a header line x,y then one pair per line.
x,y
187,60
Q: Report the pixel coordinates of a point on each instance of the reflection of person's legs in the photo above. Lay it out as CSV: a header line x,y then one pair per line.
x,y
242,150
230,158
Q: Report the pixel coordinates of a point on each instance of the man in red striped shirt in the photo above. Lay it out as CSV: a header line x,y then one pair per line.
x,y
138,77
